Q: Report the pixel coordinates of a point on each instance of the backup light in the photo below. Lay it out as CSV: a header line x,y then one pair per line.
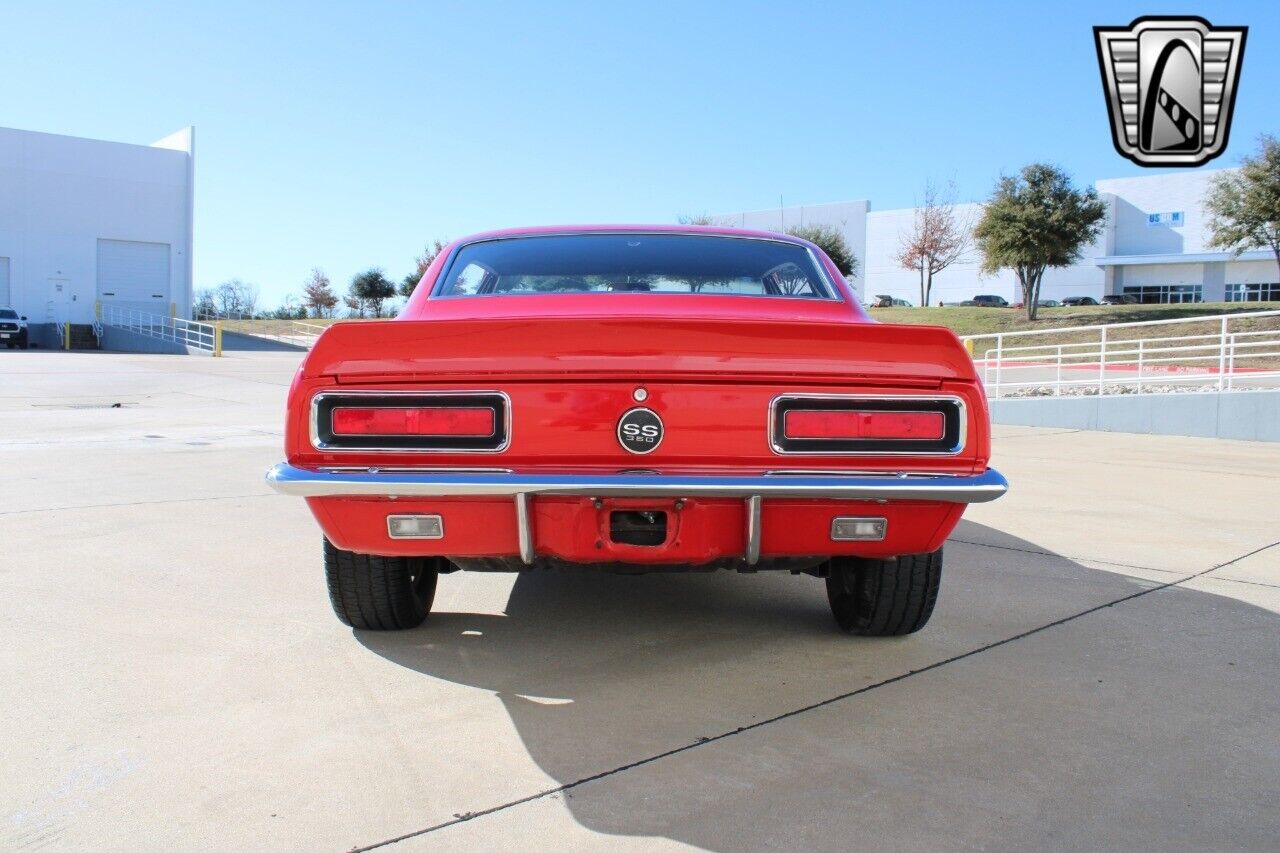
x,y
436,420
845,424
415,527
846,528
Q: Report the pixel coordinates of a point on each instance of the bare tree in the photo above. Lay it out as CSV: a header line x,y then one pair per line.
x,y
707,219
206,306
236,298
939,237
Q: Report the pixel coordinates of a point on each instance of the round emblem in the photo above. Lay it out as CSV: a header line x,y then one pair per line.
x,y
640,430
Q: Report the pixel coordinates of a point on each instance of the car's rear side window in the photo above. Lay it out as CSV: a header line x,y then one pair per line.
x,y
634,263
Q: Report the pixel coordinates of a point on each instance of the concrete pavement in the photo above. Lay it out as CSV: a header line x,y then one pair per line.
x,y
1101,670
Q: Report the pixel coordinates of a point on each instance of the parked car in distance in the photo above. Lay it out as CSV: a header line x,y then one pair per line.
x,y
1079,300
883,301
636,399
1041,303
1119,299
990,300
13,329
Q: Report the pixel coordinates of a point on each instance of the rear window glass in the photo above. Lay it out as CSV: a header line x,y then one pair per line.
x,y
634,263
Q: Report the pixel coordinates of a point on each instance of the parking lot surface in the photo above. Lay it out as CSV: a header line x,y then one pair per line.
x,y
1102,671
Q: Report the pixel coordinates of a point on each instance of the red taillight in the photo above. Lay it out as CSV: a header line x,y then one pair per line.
x,y
444,421
846,424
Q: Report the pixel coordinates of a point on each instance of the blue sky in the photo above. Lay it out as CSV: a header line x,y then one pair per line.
x,y
348,136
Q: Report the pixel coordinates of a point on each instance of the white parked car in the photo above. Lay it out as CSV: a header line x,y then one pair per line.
x,y
13,329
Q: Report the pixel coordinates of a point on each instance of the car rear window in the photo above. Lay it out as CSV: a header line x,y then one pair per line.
x,y
634,263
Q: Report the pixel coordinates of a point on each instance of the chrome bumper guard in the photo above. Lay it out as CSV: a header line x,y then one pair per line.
x,y
318,482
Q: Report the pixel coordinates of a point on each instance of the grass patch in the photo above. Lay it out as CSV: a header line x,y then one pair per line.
x,y
985,321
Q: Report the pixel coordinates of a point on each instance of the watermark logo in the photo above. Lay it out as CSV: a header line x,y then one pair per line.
x,y
1171,86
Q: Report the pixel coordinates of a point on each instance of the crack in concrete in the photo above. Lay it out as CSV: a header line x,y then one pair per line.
x,y
1073,559
463,817
136,503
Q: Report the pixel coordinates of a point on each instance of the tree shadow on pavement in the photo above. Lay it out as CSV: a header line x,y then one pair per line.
x,y
1147,723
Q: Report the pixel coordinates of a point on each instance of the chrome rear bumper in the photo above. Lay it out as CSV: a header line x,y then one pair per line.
x,y
319,482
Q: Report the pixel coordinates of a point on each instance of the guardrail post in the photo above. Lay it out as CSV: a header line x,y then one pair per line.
x,y
217,339
1102,360
1231,361
1222,357
999,362
1139,365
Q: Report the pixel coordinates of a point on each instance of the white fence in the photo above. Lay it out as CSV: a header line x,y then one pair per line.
x,y
295,332
1125,358
187,332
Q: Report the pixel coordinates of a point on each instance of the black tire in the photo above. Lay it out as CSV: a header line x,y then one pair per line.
x,y
379,593
884,598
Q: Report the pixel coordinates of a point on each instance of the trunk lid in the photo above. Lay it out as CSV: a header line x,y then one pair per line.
x,y
640,348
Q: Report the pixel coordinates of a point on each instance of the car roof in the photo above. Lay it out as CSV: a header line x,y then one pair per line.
x,y
702,230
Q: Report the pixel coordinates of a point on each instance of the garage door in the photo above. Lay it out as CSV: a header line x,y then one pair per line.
x,y
5,295
134,275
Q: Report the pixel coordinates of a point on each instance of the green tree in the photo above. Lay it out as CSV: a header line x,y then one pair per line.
x,y
370,289
429,254
1034,221
1244,205
318,295
830,240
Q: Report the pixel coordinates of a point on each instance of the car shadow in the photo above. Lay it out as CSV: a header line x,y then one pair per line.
x,y
598,671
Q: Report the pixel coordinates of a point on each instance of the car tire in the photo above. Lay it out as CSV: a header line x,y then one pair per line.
x,y
884,598
379,593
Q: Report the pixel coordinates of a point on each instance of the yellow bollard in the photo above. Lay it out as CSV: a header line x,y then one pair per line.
x,y
968,346
66,336
217,339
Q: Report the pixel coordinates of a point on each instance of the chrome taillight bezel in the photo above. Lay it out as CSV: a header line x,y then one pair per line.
x,y
323,404
953,409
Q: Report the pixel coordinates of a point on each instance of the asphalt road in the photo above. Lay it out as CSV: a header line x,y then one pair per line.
x,y
1102,671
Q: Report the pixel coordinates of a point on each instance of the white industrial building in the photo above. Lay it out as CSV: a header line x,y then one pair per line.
x,y
85,223
1154,247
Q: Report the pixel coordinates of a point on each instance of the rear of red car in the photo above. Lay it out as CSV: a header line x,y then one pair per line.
x,y
635,401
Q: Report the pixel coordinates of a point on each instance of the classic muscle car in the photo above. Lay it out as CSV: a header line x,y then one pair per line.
x,y
636,399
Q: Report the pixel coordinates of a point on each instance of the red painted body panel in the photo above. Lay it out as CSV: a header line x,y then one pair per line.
x,y
575,530
569,363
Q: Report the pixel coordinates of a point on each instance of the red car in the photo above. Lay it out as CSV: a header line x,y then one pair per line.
x,y
636,399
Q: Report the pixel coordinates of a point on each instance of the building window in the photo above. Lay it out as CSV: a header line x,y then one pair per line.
x,y
1253,292
1158,294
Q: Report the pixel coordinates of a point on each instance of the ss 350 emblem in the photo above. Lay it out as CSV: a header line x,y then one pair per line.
x,y
1171,86
640,430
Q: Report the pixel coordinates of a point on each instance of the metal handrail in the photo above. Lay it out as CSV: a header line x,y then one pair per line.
x,y
1220,359
1243,315
190,333
297,333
